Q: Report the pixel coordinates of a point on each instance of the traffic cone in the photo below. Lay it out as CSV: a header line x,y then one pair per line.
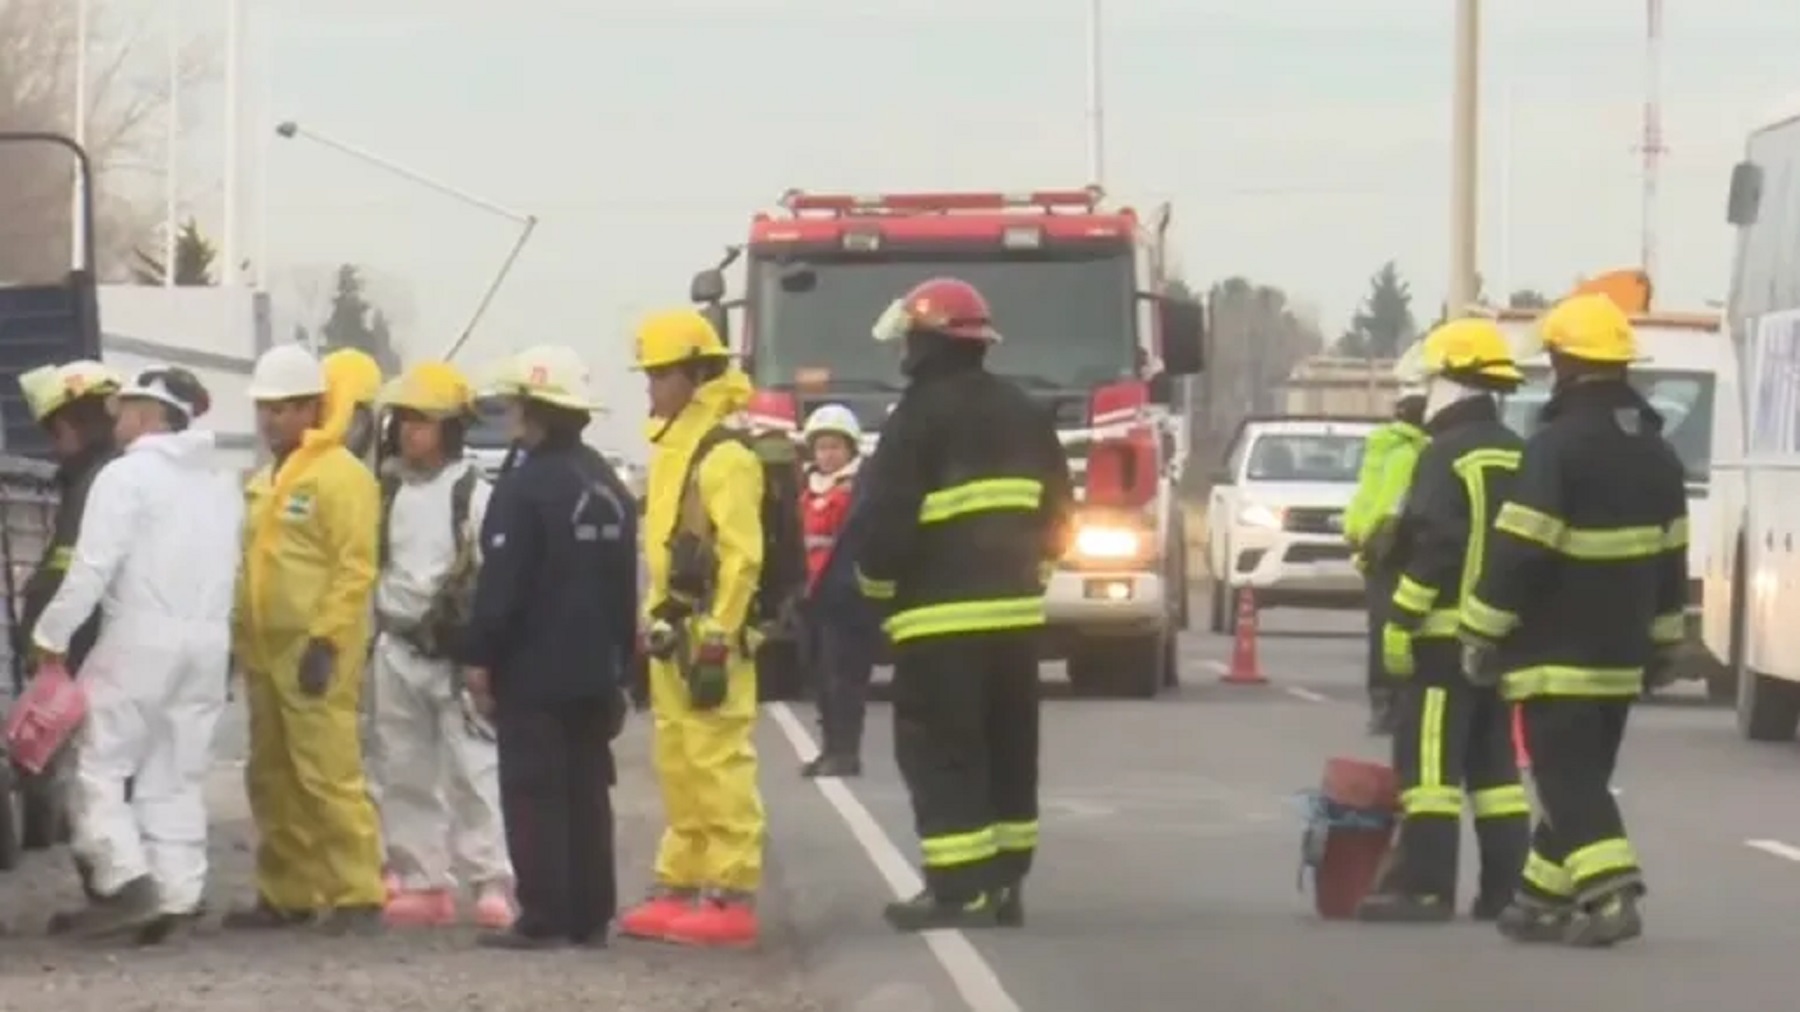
x,y
1518,736
1244,669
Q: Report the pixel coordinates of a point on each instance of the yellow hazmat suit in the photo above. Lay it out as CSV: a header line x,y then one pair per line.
x,y
706,760
309,572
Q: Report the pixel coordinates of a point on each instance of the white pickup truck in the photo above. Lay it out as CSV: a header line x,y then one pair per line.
x,y
1275,517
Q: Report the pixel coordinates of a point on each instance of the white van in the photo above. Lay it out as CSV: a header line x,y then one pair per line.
x,y
1690,376
1752,576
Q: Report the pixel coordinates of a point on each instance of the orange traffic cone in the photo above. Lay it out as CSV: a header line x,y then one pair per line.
x,y
1244,669
1518,735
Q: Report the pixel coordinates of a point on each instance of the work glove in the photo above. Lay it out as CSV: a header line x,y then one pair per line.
x,y
1478,660
316,665
709,675
1396,650
661,639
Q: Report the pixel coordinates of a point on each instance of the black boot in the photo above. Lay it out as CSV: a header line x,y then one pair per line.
x,y
135,906
1404,908
265,916
1009,905
1489,906
1531,921
1605,922
360,921
514,940
926,912
829,764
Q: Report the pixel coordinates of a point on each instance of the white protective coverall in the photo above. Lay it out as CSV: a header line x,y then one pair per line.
x,y
158,552
439,784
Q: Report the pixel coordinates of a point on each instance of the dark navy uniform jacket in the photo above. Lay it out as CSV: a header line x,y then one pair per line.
x,y
556,600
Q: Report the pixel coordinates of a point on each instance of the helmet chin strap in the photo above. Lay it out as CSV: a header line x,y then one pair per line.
x,y
1442,392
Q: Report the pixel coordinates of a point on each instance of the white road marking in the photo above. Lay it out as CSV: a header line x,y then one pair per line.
x,y
968,970
1306,694
1775,848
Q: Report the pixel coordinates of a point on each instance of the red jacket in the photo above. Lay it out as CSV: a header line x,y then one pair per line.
x,y
825,505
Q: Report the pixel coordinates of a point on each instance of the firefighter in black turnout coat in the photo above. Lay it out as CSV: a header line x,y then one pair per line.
x,y
1579,603
971,501
1453,741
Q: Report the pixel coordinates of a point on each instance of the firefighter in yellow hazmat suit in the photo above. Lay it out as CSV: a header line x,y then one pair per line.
x,y
361,378
301,635
705,490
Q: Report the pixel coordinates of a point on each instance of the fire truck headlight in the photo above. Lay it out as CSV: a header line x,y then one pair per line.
x,y
1096,541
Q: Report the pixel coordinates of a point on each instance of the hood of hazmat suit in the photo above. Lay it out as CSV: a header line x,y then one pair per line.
x,y
157,555
308,577
705,759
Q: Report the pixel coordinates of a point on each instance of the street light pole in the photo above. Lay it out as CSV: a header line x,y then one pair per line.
x,y
527,223
1465,151
1096,116
83,31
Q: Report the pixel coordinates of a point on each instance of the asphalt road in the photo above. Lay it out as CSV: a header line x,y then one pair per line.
x,y
1167,876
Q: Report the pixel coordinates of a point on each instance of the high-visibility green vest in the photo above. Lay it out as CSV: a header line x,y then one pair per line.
x,y
1387,468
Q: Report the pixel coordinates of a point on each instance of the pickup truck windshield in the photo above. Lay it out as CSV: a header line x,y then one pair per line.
x,y
1297,457
1684,399
1067,321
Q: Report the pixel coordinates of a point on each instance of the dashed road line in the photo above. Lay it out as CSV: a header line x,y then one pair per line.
x,y
1220,668
969,971
1775,848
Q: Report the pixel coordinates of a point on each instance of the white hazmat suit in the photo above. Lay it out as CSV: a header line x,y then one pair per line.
x,y
158,552
439,785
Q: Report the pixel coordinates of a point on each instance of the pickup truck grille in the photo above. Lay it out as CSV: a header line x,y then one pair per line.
x,y
1313,520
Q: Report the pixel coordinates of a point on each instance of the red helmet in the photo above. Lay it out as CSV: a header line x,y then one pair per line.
x,y
945,306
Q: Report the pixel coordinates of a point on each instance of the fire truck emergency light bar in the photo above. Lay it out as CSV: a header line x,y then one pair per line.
x,y
799,202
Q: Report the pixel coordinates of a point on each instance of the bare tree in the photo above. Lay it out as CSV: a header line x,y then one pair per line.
x,y
128,95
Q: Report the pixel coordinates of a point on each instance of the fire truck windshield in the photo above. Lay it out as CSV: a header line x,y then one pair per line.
x,y
1067,320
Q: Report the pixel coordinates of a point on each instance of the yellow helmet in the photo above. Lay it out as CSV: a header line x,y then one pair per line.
x,y
354,371
433,389
674,336
550,373
1590,327
1471,346
50,388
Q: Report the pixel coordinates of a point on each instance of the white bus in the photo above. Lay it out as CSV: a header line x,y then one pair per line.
x,y
1752,574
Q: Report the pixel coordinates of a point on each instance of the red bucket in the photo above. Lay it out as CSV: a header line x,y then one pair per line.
x,y
44,717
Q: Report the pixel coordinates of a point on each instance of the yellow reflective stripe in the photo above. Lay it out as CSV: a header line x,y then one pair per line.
x,y
1414,596
1675,536
1469,468
965,617
60,558
1431,796
953,849
1016,836
1570,680
1501,802
1615,545
1669,629
1440,624
1608,857
1484,618
1548,877
881,590
984,496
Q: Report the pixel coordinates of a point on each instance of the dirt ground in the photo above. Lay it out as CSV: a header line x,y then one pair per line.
x,y
441,971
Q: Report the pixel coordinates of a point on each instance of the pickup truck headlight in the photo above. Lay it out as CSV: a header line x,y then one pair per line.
x,y
1108,542
1258,515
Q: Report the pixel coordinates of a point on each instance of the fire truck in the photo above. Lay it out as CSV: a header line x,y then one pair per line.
x,y
1092,331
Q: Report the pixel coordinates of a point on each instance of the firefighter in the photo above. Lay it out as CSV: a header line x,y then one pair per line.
x,y
438,768
705,537
553,622
1452,739
362,383
1578,607
840,659
971,502
70,403
1371,525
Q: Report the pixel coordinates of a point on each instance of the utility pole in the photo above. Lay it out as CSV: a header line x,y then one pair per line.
x,y
1465,130
1096,116
1650,146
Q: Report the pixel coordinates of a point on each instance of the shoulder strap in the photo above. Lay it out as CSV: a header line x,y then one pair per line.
x,y
461,495
390,487
690,512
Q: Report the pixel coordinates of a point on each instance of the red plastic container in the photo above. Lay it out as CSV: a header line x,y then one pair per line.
x,y
44,717
1353,858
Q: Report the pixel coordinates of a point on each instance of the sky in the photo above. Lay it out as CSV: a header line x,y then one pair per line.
x,y
1301,142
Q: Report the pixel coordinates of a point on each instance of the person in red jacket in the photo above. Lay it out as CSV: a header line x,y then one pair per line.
x,y
841,664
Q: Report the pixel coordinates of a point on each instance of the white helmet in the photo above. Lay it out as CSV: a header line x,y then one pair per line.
x,y
551,373
287,371
833,418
